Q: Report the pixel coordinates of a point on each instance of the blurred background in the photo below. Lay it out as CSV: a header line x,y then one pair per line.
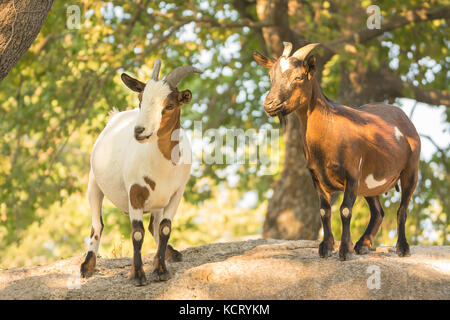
x,y
55,101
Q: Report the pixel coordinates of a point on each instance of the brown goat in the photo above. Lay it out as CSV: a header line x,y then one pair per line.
x,y
362,151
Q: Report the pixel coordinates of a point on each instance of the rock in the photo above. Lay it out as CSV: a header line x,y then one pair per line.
x,y
255,269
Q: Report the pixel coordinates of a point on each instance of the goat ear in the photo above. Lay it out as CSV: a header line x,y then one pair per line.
x,y
132,83
184,96
262,60
310,65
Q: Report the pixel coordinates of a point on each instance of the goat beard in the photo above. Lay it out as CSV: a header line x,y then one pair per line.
x,y
283,121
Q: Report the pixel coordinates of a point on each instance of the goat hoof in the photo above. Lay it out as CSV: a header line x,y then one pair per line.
x,y
140,281
403,250
85,273
344,252
138,277
88,266
325,249
161,276
174,255
361,248
344,256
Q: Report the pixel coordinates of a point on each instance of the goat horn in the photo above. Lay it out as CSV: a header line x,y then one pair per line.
x,y
156,68
177,74
287,49
303,52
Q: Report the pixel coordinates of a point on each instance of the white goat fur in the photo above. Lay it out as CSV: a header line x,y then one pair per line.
x,y
119,161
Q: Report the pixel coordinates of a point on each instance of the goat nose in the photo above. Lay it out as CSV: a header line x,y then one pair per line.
x,y
138,130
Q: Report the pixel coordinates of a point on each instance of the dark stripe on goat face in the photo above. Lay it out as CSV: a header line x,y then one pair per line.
x,y
297,63
138,196
285,93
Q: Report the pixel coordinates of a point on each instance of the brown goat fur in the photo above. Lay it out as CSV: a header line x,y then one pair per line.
x,y
362,151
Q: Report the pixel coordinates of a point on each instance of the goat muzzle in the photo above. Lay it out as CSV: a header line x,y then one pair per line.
x,y
275,110
137,134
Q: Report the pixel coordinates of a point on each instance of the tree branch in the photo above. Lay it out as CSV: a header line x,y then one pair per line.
x,y
363,85
433,97
442,152
140,8
394,22
214,22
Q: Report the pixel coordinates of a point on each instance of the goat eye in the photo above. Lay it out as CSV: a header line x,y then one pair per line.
x,y
169,107
300,78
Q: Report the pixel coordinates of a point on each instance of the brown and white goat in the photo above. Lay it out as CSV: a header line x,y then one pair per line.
x,y
136,163
362,151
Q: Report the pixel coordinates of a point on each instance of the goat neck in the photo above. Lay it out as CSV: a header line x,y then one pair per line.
x,y
318,105
167,139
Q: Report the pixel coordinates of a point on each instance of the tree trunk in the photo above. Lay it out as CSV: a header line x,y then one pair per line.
x,y
293,210
20,23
